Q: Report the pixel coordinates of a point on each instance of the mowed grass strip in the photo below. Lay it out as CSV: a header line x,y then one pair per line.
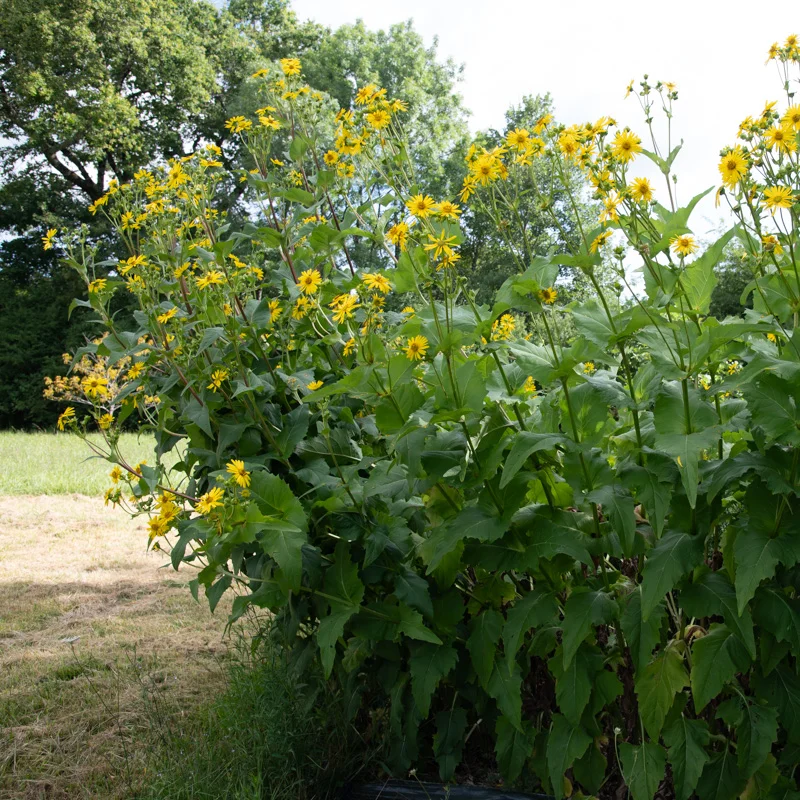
x,y
61,463
99,647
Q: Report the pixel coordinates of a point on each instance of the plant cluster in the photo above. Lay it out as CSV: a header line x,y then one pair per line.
x,y
581,551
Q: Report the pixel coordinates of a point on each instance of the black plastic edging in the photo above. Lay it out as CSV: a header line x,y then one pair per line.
x,y
410,790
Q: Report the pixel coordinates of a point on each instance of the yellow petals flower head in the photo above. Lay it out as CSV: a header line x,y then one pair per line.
x,y
210,500
518,138
66,417
641,190
416,348
683,245
503,327
441,244
212,278
115,474
529,387
167,315
421,206
314,385
290,66
238,124
773,338
269,122
47,239
626,145
609,212
778,197
379,119
589,367
733,167
447,210
599,241
349,346
791,119
771,244
330,158
548,296
301,307
94,386
97,285
366,94
398,235
240,474
781,137
376,282
343,306
105,421
218,376
309,281
274,310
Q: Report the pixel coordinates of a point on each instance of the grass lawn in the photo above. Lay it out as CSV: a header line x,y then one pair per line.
x,y
97,640
48,463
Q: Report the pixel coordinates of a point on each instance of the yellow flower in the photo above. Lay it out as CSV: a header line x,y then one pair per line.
x,y
212,278
420,206
314,385
518,138
542,123
167,315
782,137
349,346
210,500
115,474
47,239
609,212
447,210
773,338
791,119
588,367
330,158
599,241
626,145
238,124
95,386
309,281
376,282
343,306
365,95
529,387
379,119
641,190
217,378
416,348
503,328
301,307
548,295
771,244
105,421
398,234
733,167
778,197
440,245
240,474
97,285
268,121
66,417
290,66
467,189
683,245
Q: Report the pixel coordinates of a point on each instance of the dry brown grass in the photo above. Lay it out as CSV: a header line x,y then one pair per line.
x,y
96,643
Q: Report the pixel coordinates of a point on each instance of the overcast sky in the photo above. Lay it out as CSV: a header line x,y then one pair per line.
x,y
585,54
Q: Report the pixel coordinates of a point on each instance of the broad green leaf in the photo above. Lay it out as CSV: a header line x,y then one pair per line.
x,y
716,658
781,688
713,594
412,625
533,610
755,736
342,581
642,636
686,740
590,769
778,613
551,533
566,743
643,767
328,633
700,277
412,589
673,556
618,505
505,686
275,499
656,688
512,747
574,683
485,630
284,542
773,403
720,779
525,445
429,664
583,610
448,741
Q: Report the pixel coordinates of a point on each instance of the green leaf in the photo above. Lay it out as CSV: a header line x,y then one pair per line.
x,y
656,688
533,610
713,594
284,542
505,686
716,658
551,533
574,683
525,445
448,741
412,589
773,403
643,768
700,277
342,584
781,689
759,729
512,747
720,778
566,743
779,614
275,499
485,631
429,664
411,625
328,633
618,506
686,740
583,610
673,556
642,636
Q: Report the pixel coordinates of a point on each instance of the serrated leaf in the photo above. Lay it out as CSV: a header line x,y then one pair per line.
x,y
755,736
525,445
642,636
574,683
448,741
583,610
720,778
716,658
656,688
512,747
643,768
536,608
429,664
686,740
328,633
779,614
566,743
505,686
673,556
485,631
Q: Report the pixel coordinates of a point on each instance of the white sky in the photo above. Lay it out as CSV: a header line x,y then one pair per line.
x,y
585,53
